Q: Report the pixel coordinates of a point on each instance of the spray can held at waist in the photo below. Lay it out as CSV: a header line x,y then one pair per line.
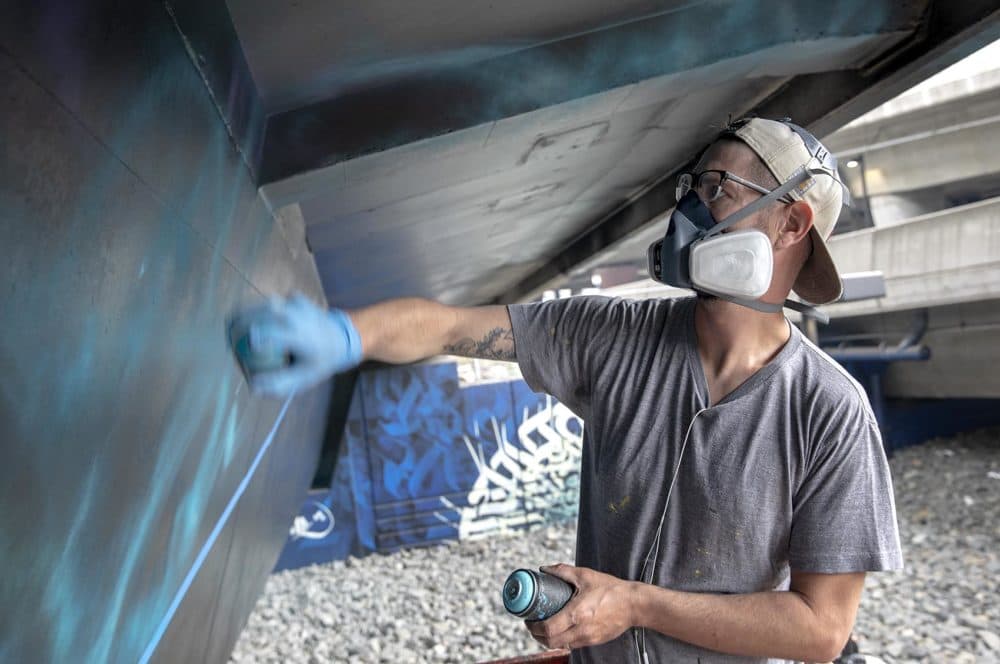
x,y
535,595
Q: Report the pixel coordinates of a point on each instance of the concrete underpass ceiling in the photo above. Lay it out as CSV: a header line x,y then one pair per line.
x,y
471,150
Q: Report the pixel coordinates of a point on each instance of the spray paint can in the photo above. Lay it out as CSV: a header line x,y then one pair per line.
x,y
535,595
254,360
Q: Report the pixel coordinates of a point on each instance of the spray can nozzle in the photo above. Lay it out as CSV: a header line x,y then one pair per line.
x,y
535,595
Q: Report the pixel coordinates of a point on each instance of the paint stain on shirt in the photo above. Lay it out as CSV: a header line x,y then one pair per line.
x,y
616,508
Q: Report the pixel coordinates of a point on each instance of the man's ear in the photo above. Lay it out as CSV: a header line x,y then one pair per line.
x,y
798,219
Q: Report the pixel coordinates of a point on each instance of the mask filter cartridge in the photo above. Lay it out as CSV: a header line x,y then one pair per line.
x,y
738,263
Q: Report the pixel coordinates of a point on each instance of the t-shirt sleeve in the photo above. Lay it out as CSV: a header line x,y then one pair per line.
x,y
561,344
844,512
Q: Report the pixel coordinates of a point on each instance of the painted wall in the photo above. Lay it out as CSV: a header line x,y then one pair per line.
x,y
134,466
425,458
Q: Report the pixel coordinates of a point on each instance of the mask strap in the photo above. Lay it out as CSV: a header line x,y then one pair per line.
x,y
768,308
797,178
808,311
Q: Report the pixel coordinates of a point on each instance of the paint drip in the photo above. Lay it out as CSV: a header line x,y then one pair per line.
x,y
535,595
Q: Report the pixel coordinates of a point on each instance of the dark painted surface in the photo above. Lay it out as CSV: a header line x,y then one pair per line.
x,y
208,32
131,228
425,459
447,94
304,51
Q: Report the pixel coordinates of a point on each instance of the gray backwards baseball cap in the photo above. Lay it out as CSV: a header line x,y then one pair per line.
x,y
785,148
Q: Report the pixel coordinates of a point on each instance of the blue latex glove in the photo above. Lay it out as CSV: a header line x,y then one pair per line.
x,y
319,342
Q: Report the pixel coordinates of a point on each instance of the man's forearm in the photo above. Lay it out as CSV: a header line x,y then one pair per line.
x,y
403,330
766,624
412,329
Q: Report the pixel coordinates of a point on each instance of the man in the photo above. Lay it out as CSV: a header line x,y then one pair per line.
x,y
734,490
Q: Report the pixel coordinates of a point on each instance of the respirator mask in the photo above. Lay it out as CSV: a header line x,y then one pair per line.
x,y
695,255
737,266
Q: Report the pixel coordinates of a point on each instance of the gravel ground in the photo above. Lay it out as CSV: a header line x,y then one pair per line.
x,y
442,603
943,607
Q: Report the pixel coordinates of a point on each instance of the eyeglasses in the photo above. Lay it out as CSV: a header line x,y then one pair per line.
x,y
708,184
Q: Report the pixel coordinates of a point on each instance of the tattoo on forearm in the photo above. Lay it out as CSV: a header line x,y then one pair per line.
x,y
498,344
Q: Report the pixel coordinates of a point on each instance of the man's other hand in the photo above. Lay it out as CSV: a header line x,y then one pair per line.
x,y
598,612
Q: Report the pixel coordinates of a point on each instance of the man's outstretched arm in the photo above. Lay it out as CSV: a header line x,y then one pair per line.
x,y
325,342
412,329
810,622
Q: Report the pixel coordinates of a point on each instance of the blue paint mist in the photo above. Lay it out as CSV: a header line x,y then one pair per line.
x,y
506,79
127,424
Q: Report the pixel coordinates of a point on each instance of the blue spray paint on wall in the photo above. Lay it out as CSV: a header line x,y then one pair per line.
x,y
131,228
425,459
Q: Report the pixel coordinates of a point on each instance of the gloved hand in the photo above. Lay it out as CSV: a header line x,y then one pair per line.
x,y
317,342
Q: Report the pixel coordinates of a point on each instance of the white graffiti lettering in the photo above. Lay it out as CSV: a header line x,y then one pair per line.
x,y
315,527
531,482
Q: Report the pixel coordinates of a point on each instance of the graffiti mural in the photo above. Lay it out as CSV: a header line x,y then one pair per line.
x,y
429,457
527,483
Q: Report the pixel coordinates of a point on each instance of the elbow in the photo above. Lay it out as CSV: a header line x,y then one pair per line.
x,y
824,654
829,628
829,643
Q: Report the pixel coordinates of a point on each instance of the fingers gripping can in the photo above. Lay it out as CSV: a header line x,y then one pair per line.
x,y
535,595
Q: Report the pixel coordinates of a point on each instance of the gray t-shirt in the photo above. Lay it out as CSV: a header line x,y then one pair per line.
x,y
786,472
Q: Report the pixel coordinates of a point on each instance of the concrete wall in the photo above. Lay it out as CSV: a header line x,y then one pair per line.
x,y
939,259
890,209
962,340
934,160
144,495
920,149
964,360
947,262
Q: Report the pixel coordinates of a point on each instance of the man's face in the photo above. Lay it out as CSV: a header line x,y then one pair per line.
x,y
738,159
